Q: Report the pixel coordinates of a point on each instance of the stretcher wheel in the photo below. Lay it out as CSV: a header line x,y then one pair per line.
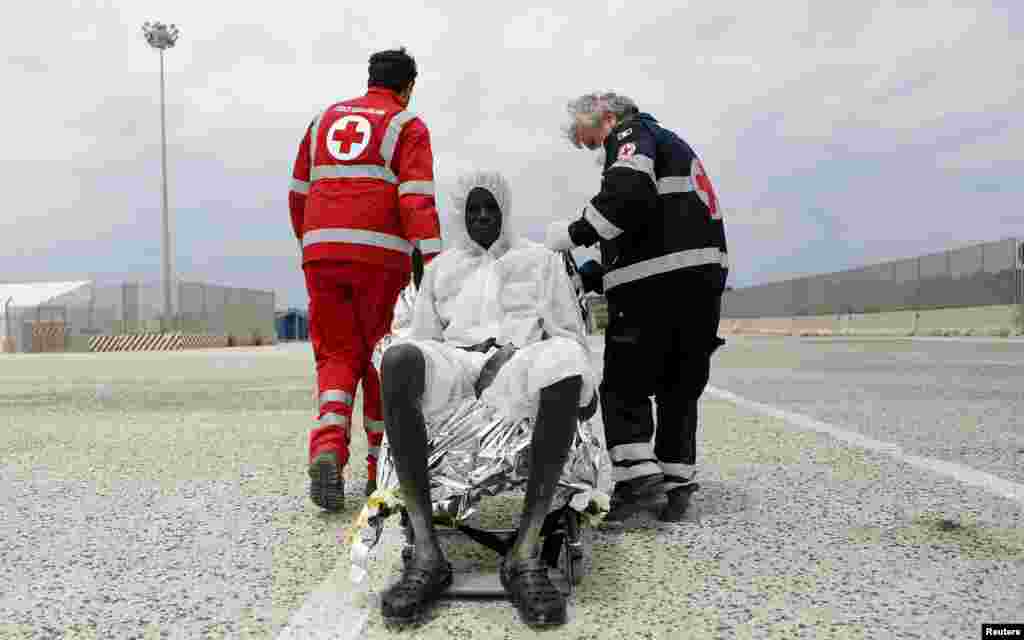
x,y
575,570
572,554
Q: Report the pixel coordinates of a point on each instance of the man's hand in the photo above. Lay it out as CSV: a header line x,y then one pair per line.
x,y
483,347
592,274
558,236
492,366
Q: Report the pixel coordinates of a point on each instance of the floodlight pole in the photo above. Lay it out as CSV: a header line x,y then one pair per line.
x,y
7,320
161,37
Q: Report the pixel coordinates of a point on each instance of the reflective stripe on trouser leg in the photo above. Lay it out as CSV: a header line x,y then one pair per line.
x,y
633,460
629,426
335,409
678,475
331,435
335,395
676,440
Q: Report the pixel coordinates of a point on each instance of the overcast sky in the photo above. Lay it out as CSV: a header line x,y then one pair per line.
x,y
836,134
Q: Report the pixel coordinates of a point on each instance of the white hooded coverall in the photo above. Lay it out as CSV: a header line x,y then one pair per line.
x,y
518,292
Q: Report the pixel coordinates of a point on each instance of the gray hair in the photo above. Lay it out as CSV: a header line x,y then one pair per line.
x,y
595,105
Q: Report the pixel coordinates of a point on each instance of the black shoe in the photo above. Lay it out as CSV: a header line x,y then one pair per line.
x,y
326,486
407,600
629,490
678,503
540,603
371,486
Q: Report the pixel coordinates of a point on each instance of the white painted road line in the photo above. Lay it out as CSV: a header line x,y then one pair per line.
x,y
332,612
967,475
327,613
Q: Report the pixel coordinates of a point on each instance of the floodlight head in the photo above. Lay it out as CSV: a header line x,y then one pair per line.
x,y
159,35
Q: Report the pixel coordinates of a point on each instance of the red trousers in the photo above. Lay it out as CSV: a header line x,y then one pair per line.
x,y
351,306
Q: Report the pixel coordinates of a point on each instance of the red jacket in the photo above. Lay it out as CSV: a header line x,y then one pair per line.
x,y
363,185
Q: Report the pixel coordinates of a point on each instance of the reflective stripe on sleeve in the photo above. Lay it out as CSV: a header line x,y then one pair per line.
x,y
373,452
390,141
357,236
601,224
431,245
675,184
322,171
638,162
300,186
373,426
420,187
666,263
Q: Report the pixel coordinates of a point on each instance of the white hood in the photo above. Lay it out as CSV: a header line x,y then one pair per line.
x,y
496,184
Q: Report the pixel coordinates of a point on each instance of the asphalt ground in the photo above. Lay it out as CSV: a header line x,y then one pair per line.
x,y
164,495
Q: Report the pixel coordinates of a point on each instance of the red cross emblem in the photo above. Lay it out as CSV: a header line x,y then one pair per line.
x,y
348,136
703,188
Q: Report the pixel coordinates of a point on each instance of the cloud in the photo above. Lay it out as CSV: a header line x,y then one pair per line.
x,y
833,133
538,28
28,63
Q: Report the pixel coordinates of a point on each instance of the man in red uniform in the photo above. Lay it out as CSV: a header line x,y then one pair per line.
x,y
361,200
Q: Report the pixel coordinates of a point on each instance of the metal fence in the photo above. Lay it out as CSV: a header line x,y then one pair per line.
x,y
979,275
68,322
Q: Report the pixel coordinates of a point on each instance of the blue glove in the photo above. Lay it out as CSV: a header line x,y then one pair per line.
x,y
592,274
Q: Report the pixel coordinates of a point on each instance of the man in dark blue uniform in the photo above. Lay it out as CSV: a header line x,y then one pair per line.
x,y
663,271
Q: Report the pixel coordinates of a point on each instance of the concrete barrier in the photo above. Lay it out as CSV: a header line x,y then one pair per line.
x,y
996,320
155,342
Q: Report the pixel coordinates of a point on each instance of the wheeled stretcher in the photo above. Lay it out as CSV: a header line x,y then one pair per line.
x,y
475,453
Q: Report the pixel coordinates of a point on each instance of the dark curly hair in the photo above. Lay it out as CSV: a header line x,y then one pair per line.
x,y
392,69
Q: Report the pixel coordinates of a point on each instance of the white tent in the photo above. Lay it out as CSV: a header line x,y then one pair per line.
x,y
27,306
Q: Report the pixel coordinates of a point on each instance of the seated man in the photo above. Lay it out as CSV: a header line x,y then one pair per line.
x,y
495,317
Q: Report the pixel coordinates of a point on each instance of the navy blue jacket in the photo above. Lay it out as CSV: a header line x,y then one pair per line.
x,y
657,212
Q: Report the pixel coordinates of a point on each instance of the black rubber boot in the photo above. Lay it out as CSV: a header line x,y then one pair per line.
x,y
629,490
326,486
678,503
371,486
408,599
539,601
628,494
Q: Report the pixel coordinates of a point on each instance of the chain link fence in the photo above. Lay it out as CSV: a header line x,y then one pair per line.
x,y
74,320
979,275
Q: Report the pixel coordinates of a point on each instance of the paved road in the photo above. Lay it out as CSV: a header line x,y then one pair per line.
x,y
159,495
955,400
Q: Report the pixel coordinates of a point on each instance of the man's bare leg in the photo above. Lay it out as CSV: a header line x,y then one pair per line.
x,y
549,449
403,373
524,574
